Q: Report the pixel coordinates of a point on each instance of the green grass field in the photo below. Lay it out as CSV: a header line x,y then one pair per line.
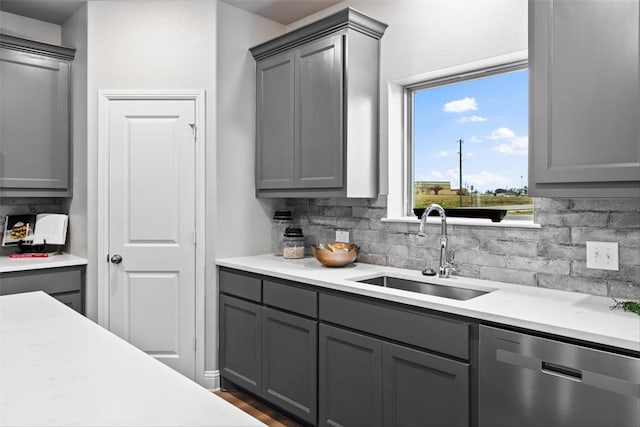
x,y
477,200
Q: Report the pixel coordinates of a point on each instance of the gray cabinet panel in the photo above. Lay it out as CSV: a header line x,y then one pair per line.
x,y
429,332
423,390
240,342
274,122
290,298
318,108
73,300
585,98
63,283
350,379
34,112
241,285
289,363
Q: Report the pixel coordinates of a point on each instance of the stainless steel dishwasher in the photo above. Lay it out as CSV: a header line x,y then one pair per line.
x,y
531,381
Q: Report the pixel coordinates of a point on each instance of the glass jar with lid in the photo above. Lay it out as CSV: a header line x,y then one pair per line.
x,y
281,220
293,243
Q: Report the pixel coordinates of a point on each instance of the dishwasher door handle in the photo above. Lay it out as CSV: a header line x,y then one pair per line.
x,y
561,371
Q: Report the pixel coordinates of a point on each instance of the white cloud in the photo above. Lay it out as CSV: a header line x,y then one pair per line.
x,y
518,146
471,119
468,154
460,105
475,140
486,179
502,133
444,153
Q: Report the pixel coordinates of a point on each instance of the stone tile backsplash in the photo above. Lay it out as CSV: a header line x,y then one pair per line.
x,y
553,256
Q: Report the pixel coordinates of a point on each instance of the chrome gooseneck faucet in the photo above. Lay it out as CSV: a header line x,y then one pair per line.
x,y
445,267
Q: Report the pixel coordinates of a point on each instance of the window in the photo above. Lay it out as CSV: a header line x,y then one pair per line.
x,y
468,141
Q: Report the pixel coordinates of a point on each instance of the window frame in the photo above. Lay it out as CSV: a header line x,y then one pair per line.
x,y
410,89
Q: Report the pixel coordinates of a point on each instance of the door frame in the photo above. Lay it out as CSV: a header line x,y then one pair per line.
x,y
104,99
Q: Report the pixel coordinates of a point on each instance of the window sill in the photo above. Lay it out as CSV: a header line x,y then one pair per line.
x,y
472,222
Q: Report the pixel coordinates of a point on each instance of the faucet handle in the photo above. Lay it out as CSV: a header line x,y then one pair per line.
x,y
449,269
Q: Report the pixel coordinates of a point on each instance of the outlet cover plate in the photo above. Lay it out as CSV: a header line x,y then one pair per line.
x,y
602,255
342,236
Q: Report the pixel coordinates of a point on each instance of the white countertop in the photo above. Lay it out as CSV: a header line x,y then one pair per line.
x,y
58,368
569,314
8,265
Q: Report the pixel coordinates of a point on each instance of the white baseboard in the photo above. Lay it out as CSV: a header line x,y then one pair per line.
x,y
211,380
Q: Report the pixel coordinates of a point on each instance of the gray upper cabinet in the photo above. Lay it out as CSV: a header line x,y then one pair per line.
x,y
585,98
34,118
317,109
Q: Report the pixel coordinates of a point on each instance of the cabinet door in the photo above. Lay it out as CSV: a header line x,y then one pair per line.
x,y
289,368
34,112
423,390
350,379
585,102
319,110
274,122
240,349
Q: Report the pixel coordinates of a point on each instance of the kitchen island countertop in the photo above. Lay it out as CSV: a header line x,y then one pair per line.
x,y
59,368
569,314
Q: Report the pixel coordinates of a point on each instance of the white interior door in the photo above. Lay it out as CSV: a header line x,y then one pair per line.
x,y
151,220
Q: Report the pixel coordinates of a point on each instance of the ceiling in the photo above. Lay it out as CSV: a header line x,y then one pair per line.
x,y
58,11
53,11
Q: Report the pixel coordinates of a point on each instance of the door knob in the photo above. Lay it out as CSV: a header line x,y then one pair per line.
x,y
116,259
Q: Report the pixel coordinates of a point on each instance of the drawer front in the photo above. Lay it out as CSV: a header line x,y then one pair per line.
x,y
242,286
73,300
49,280
433,333
290,298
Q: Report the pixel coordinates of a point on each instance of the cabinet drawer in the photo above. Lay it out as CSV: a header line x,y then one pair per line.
x,y
290,298
240,285
433,333
49,280
73,300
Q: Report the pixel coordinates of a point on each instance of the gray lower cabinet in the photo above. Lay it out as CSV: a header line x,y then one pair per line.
x,y
423,390
240,342
289,362
334,359
66,284
584,136
269,341
34,112
365,381
350,376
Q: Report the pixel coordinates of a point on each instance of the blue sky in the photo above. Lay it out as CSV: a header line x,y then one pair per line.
x,y
490,115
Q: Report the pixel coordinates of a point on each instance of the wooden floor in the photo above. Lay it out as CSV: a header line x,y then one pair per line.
x,y
256,409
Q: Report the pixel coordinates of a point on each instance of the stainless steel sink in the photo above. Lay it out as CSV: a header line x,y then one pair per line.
x,y
444,291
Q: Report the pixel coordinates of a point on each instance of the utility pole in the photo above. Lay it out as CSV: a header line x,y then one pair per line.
x,y
460,154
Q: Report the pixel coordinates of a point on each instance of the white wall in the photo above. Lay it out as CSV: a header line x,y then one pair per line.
x,y
428,35
243,221
33,29
74,35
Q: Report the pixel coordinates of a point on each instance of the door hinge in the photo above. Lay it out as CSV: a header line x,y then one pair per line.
x,y
195,343
195,239
194,129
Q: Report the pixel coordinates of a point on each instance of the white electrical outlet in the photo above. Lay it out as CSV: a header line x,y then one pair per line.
x,y
342,236
602,255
